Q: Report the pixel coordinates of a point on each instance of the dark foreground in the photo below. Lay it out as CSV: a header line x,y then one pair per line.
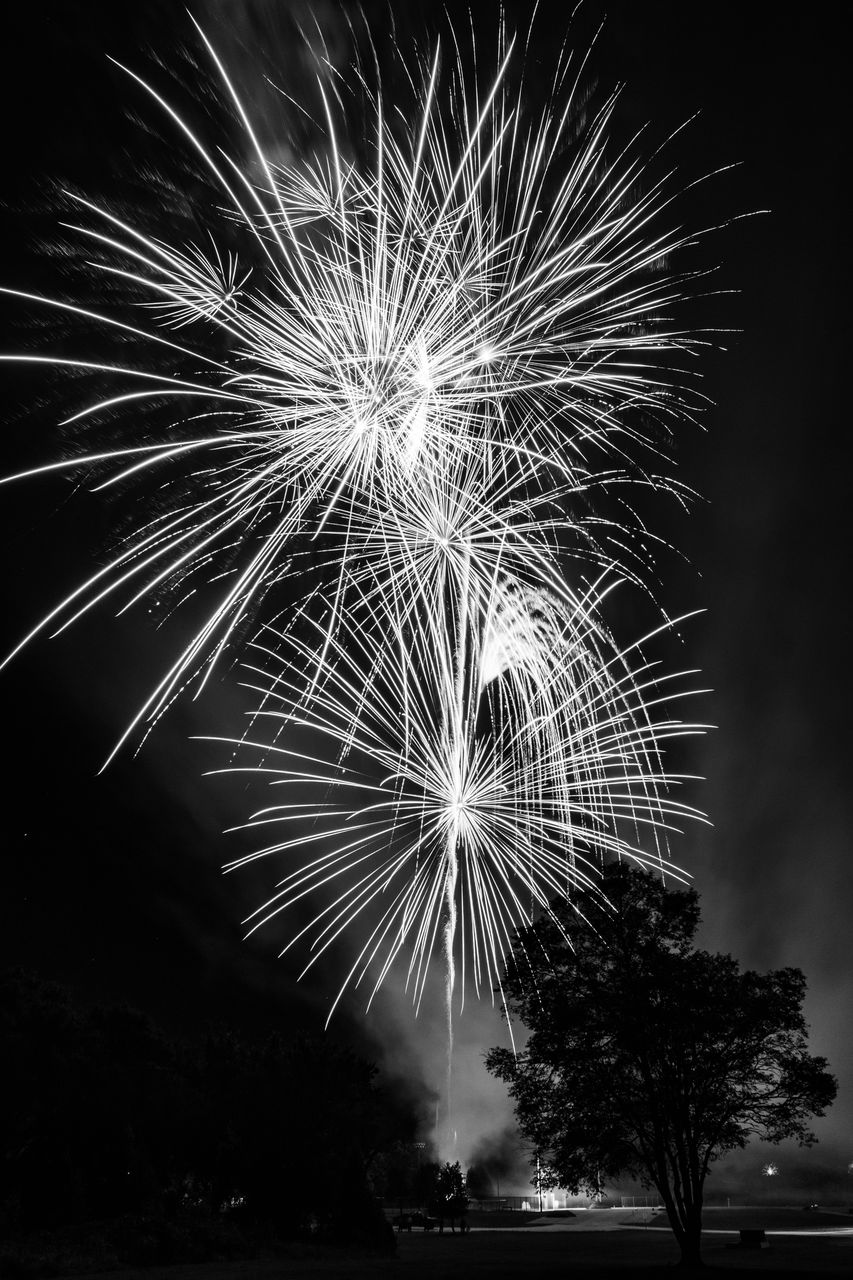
x,y
572,1250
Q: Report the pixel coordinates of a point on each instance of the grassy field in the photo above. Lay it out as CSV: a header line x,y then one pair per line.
x,y
574,1247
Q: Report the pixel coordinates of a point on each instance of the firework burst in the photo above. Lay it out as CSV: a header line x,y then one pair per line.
x,y
400,382
451,772
457,331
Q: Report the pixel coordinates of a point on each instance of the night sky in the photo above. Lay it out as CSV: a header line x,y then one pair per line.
x,y
112,882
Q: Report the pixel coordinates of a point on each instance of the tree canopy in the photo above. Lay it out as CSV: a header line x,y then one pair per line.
x,y
648,1057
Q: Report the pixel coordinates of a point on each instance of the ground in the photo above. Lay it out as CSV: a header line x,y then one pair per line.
x,y
590,1245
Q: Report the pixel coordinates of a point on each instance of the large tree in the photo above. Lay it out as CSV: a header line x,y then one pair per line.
x,y
648,1057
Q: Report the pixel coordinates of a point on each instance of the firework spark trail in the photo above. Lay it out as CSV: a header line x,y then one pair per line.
x,y
403,378
400,780
388,319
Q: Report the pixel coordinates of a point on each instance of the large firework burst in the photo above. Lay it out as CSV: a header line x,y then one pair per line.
x,y
397,378
451,772
457,331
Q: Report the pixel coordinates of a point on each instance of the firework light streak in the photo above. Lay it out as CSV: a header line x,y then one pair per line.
x,y
399,380
452,778
404,773
453,317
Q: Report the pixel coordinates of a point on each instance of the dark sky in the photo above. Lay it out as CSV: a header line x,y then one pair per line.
x,y
112,882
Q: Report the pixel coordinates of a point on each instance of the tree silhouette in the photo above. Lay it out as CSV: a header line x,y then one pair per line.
x,y
647,1057
448,1199
104,1115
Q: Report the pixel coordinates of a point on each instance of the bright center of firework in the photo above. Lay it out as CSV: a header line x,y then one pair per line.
x,y
387,382
448,539
459,818
390,398
423,378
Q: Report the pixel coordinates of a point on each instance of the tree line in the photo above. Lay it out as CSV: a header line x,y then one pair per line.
x,y
646,1057
105,1115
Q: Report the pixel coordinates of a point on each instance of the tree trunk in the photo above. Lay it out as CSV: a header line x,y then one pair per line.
x,y
685,1218
690,1254
690,1237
